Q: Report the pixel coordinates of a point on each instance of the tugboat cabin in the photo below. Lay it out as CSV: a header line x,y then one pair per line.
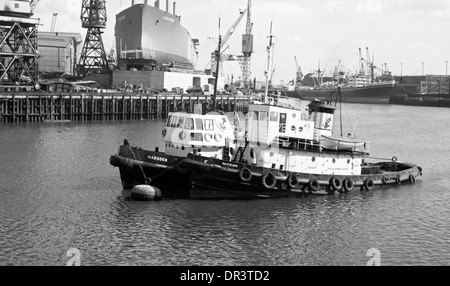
x,y
205,135
293,140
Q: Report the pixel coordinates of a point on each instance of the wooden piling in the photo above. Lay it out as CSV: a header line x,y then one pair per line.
x,y
36,107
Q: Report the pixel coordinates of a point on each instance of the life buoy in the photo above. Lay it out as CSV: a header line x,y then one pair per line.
x,y
268,180
208,137
394,159
412,179
313,185
182,135
368,184
336,183
245,174
348,185
218,137
164,133
398,181
292,181
384,180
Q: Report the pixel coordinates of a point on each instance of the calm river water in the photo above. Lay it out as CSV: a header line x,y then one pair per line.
x,y
58,191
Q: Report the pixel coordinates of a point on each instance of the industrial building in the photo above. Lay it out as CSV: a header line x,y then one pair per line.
x,y
59,52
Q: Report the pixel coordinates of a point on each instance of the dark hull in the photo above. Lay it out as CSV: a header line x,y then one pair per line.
x,y
164,171
218,179
153,34
434,100
376,94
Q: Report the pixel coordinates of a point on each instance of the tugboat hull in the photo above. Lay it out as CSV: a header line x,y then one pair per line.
x,y
218,179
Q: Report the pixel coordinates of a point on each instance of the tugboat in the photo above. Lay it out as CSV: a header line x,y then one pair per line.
x,y
283,151
290,152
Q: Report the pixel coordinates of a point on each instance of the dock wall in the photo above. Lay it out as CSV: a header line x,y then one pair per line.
x,y
40,107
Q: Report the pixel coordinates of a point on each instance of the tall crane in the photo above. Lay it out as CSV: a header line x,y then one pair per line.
x,y
93,56
298,71
247,48
247,45
52,28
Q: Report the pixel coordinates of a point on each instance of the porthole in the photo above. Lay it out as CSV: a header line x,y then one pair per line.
x,y
313,159
334,161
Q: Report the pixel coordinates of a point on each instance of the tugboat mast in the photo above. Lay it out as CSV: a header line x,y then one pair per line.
x,y
268,71
217,71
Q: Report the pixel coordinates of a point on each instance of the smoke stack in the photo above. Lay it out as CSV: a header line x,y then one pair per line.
x,y
146,2
174,8
132,2
167,6
157,4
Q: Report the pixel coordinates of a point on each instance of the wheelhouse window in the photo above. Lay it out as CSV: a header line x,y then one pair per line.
x,y
263,115
198,124
180,122
189,124
174,121
209,124
169,121
273,116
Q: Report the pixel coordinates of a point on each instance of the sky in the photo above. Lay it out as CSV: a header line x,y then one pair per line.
x,y
410,36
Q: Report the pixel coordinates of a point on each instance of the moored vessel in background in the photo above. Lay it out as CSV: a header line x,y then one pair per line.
x,y
364,86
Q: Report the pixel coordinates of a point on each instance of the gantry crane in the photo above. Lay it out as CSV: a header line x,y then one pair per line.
x,y
93,56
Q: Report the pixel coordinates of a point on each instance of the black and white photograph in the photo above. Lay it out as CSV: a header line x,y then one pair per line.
x,y
208,136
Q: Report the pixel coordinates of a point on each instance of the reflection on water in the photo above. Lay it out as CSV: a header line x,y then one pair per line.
x,y
58,191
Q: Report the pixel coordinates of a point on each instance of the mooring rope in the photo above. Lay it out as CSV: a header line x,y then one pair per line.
x,y
147,180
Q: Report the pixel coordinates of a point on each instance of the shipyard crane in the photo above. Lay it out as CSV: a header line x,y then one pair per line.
x,y
247,45
247,48
373,67
52,28
299,73
93,56
336,71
